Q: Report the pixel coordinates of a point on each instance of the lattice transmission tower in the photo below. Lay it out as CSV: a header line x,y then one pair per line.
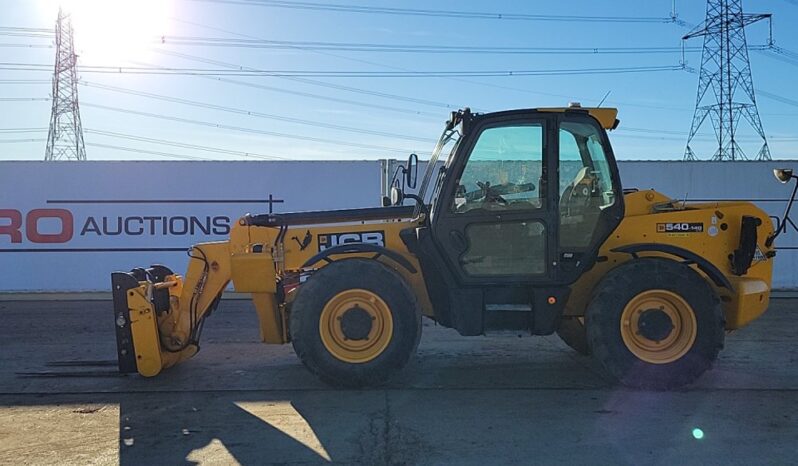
x,y
65,140
725,88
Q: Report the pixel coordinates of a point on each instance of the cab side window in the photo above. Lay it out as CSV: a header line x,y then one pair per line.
x,y
503,170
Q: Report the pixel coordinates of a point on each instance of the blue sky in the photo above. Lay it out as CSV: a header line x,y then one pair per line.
x,y
655,107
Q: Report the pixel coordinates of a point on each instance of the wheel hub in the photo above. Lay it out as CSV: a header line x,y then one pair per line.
x,y
356,323
356,326
658,326
655,324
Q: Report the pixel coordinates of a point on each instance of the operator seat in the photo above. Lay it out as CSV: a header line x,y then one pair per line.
x,y
580,187
579,210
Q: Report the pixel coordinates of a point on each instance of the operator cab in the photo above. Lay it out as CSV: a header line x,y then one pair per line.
x,y
517,213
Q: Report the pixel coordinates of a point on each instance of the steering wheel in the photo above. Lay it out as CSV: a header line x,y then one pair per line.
x,y
491,194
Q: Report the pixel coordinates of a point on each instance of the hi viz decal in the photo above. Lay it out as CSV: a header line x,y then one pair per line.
x,y
331,240
680,227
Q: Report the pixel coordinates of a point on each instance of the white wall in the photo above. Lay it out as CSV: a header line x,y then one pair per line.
x,y
84,261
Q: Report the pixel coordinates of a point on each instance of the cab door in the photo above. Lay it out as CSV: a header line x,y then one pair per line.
x,y
498,219
495,215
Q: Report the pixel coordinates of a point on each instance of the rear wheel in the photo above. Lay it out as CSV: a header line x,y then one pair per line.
x,y
655,323
355,322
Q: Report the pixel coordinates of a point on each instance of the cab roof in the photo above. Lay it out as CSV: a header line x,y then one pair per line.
x,y
606,116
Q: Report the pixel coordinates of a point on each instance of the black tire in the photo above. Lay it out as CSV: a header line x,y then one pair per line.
x,y
342,275
618,288
572,331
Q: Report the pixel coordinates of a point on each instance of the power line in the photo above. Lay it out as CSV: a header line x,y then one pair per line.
x,y
319,52
369,62
782,54
313,82
261,87
144,151
27,46
245,130
16,141
442,13
24,99
317,46
132,137
301,93
108,146
323,97
343,74
22,130
371,47
252,113
678,135
777,97
183,145
25,29
24,81
33,35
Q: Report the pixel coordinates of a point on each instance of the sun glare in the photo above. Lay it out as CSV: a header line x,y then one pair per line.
x,y
114,32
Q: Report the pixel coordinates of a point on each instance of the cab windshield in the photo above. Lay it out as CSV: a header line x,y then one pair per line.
x,y
447,143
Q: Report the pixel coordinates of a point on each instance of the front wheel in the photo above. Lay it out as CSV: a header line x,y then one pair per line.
x,y
655,323
572,331
355,322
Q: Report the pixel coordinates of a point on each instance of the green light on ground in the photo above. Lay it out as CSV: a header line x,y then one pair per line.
x,y
698,434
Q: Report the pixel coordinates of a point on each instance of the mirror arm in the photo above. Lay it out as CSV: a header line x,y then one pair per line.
x,y
396,172
783,223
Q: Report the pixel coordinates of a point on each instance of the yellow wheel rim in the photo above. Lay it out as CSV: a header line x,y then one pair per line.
x,y
345,330
658,326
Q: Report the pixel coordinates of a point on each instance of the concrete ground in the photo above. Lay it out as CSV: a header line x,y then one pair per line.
x,y
480,400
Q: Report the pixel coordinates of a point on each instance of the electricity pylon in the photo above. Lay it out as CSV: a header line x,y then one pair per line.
x,y
65,140
726,71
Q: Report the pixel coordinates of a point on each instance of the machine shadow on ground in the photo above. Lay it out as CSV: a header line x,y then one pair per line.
x,y
496,400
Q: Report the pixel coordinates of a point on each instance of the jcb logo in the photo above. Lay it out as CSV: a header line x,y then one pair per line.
x,y
11,225
327,241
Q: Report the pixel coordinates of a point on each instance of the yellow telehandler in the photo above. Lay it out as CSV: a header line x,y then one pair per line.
x,y
520,222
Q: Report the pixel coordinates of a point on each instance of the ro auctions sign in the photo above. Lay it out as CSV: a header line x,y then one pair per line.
x,y
67,226
103,226
90,223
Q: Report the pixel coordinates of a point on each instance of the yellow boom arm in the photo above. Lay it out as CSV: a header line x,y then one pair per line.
x,y
159,315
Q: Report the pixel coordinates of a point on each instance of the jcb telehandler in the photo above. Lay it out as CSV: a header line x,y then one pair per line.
x,y
519,222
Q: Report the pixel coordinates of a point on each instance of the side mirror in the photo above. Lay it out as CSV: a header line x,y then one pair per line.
x,y
783,174
411,171
397,196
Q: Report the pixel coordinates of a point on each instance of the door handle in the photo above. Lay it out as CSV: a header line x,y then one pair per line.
x,y
458,240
